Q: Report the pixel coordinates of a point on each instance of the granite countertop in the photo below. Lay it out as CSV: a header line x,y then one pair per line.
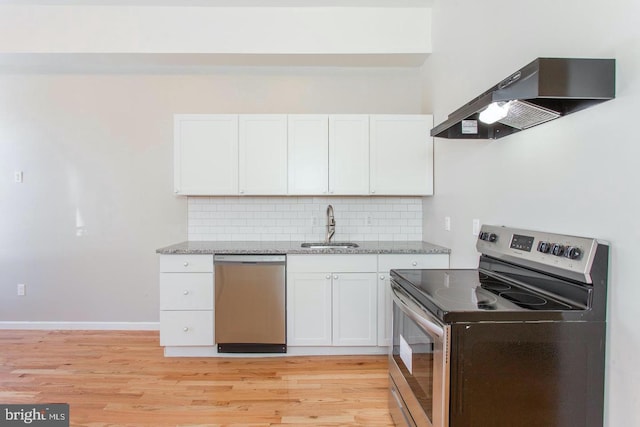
x,y
275,247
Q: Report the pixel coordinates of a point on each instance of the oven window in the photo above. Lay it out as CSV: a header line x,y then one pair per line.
x,y
413,351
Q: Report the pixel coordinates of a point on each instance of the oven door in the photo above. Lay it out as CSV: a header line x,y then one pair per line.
x,y
418,364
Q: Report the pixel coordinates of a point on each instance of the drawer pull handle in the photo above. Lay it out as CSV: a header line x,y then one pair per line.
x,y
186,264
414,263
185,292
186,329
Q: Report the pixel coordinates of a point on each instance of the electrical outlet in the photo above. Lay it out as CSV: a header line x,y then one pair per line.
x,y
17,176
447,223
367,220
476,227
21,289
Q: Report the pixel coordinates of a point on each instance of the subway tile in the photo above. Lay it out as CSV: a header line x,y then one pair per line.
x,y
269,218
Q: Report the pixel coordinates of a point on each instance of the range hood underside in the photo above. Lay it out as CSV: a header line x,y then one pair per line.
x,y
499,130
558,86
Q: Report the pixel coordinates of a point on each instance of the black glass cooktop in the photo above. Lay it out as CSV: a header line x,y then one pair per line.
x,y
473,295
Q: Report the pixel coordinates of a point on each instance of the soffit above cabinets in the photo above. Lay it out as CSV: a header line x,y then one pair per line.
x,y
233,3
193,63
76,36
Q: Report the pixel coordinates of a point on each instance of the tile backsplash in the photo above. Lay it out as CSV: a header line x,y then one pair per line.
x,y
304,218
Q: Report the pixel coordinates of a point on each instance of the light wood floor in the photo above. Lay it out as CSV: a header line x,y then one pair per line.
x,y
122,378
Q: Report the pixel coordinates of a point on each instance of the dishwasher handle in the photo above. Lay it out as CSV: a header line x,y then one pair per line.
x,y
250,259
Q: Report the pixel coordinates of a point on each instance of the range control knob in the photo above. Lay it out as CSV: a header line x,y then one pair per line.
x,y
488,237
557,249
544,247
572,252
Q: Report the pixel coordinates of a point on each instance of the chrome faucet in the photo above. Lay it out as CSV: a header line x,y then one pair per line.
x,y
331,224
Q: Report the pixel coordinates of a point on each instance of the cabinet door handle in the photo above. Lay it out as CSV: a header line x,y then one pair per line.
x,y
186,264
414,263
381,277
185,292
186,329
335,277
328,276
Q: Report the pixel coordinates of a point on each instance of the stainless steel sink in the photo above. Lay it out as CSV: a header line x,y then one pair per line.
x,y
329,245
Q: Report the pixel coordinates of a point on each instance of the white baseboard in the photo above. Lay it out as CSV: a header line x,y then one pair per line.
x,y
212,351
335,351
97,326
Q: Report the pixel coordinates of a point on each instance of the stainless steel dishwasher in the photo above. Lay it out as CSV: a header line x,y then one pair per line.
x,y
250,304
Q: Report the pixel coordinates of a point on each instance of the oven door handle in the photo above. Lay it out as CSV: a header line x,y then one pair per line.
x,y
414,311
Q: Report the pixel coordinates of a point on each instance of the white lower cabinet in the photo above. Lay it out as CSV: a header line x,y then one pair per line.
x,y
331,300
186,327
186,300
384,309
355,309
339,301
386,263
309,309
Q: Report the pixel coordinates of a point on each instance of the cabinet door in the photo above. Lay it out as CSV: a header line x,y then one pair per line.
x,y
349,154
401,154
308,153
263,154
355,306
309,309
384,309
205,154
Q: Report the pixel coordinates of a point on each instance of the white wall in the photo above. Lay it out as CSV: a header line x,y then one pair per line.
x,y
113,28
96,151
575,175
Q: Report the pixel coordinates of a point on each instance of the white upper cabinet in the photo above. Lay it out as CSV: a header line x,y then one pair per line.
x,y
263,154
328,154
308,153
349,154
206,154
401,151
303,154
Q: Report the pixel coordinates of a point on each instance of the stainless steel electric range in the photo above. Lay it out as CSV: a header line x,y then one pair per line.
x,y
520,341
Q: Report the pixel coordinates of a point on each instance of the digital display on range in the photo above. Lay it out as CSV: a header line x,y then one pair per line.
x,y
522,243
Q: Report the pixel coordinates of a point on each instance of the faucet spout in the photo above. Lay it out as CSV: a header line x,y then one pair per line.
x,y
331,224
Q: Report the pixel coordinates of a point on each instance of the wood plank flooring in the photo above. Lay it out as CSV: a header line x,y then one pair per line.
x,y
121,378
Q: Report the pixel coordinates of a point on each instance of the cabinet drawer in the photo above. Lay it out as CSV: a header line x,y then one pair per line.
x,y
412,261
186,263
191,291
186,328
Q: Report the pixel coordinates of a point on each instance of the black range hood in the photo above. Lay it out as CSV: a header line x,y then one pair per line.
x,y
544,90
